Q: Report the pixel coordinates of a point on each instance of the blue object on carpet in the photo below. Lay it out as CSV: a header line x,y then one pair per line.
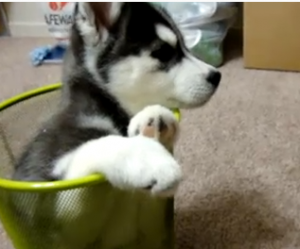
x,y
47,54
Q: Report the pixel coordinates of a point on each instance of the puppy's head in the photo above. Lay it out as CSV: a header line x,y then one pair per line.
x,y
138,53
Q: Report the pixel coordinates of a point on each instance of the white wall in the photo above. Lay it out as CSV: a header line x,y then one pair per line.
x,y
26,19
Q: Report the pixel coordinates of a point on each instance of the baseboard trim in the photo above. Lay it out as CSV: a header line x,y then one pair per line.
x,y
23,29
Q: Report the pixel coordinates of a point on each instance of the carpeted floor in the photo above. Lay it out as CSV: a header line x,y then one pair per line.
x,y
240,154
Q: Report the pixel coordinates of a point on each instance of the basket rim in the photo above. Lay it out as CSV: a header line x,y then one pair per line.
x,y
54,185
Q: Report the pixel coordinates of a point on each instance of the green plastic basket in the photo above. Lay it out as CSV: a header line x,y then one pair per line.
x,y
110,218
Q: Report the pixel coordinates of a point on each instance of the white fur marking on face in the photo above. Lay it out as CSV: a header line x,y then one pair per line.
x,y
135,78
166,34
191,88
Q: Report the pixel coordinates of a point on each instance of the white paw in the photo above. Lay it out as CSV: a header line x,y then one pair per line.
x,y
156,122
147,166
132,163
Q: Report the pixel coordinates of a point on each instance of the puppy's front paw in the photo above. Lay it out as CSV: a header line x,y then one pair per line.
x,y
148,167
155,122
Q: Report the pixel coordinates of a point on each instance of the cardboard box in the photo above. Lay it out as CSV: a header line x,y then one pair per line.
x,y
272,35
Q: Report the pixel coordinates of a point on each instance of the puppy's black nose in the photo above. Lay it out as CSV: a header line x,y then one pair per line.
x,y
214,78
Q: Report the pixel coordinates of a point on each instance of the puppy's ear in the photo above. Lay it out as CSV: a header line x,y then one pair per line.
x,y
94,19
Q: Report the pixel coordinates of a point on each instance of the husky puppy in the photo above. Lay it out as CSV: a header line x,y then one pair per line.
x,y
126,66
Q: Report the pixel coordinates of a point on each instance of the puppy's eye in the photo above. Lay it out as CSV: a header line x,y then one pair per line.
x,y
164,53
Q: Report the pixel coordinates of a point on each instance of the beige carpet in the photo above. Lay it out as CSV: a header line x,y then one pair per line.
x,y
240,155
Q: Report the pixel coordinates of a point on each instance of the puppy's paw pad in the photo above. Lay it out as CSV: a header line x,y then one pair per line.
x,y
156,122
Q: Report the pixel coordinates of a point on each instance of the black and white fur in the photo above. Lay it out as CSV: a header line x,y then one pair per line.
x,y
127,63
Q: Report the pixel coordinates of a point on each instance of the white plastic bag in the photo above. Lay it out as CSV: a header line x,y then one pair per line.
x,y
204,26
59,18
189,12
